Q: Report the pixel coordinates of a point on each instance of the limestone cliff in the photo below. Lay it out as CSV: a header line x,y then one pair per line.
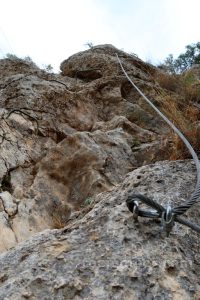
x,y
73,146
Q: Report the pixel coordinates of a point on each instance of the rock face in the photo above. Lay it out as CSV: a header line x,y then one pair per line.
x,y
73,147
65,138
106,255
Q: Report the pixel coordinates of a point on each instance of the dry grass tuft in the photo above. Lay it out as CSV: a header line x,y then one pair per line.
x,y
60,216
169,82
186,120
180,107
179,150
192,93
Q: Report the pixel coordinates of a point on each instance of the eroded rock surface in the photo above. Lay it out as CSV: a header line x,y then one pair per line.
x,y
67,137
73,147
105,254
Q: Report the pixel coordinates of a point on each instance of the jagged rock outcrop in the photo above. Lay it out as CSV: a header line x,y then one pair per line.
x,y
74,145
105,254
66,137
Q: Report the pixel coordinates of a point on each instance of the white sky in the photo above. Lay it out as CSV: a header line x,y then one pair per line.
x,y
49,31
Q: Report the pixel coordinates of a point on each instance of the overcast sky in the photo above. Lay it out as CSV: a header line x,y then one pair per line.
x,y
49,31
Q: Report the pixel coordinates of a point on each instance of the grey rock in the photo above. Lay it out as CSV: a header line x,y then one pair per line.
x,y
106,255
73,147
8,202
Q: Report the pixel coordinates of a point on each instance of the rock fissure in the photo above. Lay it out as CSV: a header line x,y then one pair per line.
x,y
6,182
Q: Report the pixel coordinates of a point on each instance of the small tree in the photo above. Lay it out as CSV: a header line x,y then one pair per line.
x,y
11,56
27,59
89,45
48,68
168,64
189,58
184,60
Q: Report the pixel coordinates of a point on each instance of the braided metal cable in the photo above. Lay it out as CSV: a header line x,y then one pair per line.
x,y
196,194
158,211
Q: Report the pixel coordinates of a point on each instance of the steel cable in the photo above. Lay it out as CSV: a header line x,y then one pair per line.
x,y
179,210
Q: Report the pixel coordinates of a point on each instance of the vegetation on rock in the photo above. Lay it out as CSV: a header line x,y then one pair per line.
x,y
74,146
184,61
